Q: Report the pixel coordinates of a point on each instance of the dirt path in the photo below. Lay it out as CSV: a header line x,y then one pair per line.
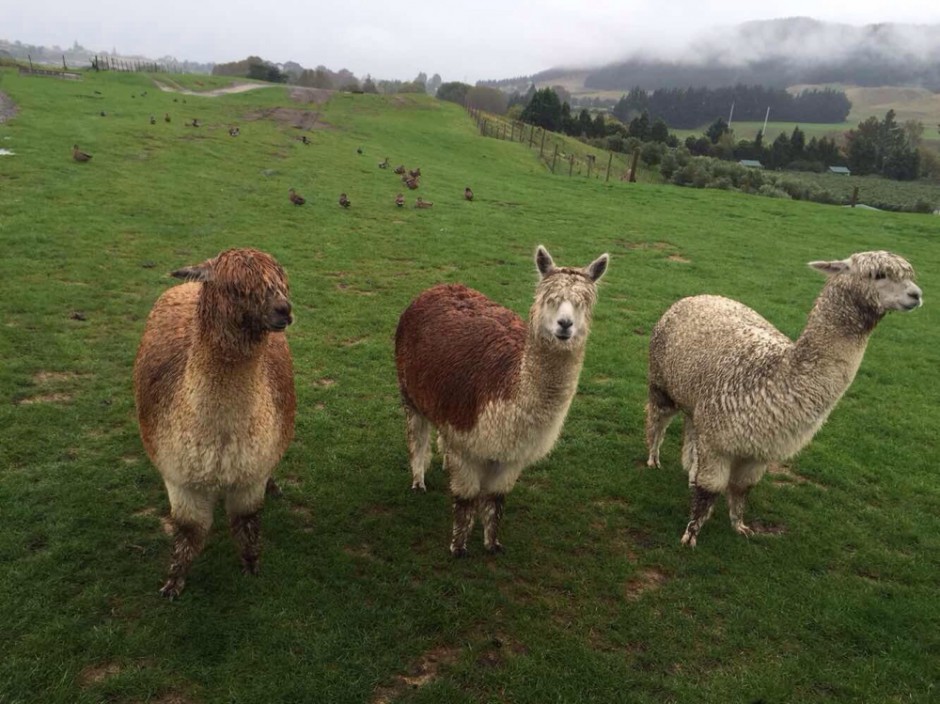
x,y
171,86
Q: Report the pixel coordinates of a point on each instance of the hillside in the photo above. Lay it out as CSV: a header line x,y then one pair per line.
x,y
358,599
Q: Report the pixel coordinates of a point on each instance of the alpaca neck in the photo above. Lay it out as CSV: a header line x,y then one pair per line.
x,y
829,351
549,373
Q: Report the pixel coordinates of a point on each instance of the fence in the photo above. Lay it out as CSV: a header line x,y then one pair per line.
x,y
114,63
561,154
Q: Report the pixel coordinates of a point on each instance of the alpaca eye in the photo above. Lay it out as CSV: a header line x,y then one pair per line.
x,y
880,275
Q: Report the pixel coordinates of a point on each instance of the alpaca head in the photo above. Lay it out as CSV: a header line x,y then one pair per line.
x,y
884,281
243,288
565,298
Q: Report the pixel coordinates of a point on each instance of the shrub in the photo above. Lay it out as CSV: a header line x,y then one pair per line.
x,y
771,192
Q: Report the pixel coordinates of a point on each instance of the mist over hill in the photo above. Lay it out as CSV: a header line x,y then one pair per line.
x,y
779,53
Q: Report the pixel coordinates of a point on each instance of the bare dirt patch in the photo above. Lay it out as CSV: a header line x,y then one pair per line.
x,y
301,94
8,108
44,377
679,259
325,382
423,671
290,117
657,246
45,398
93,674
646,580
762,528
784,475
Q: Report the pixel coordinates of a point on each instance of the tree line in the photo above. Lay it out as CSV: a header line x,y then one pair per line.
x,y
686,108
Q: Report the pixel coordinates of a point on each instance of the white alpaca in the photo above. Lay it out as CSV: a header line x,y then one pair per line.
x,y
749,395
496,388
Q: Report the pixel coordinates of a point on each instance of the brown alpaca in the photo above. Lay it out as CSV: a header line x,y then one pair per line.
x,y
214,390
496,388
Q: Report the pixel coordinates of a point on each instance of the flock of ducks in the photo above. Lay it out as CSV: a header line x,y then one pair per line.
x,y
410,178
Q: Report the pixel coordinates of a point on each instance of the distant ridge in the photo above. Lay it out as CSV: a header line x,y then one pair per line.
x,y
778,53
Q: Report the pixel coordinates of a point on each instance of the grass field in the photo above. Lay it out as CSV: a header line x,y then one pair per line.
x,y
358,599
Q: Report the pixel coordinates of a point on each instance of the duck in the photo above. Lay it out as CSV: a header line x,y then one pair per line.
x,y
344,201
400,200
79,155
467,193
400,169
423,203
296,198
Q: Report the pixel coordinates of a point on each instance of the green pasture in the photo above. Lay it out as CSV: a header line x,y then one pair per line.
x,y
358,599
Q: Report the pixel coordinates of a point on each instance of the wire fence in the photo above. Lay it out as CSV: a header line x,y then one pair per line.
x,y
561,154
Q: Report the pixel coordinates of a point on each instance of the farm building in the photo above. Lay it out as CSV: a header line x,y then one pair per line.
x,y
841,170
751,163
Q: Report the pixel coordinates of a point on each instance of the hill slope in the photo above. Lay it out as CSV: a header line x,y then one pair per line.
x,y
358,600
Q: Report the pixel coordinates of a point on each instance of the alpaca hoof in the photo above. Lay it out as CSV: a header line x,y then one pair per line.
x,y
418,486
251,567
688,539
652,463
744,530
172,589
496,548
459,553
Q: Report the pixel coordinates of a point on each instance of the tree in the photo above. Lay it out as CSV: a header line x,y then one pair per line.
x,y
489,99
455,92
640,126
716,129
797,142
585,124
543,110
433,84
659,132
368,85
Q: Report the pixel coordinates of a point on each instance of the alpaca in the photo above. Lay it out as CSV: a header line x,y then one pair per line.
x,y
496,388
748,394
214,390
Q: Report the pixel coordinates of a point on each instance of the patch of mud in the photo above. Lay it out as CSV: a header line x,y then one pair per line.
x,y
300,94
679,259
290,117
93,674
761,528
44,377
646,580
8,108
45,398
325,382
423,671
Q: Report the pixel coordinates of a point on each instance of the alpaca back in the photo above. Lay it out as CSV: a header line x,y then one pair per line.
x,y
456,351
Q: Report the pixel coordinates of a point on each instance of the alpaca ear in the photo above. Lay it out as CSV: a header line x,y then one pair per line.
x,y
543,261
597,268
830,268
200,272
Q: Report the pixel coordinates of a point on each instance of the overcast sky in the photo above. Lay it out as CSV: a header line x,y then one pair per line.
x,y
462,41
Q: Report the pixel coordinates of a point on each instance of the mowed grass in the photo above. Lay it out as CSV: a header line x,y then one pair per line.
x,y
358,599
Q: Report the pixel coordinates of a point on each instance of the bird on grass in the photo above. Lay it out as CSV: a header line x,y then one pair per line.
x,y
400,200
104,114
79,155
166,117
295,198
359,150
416,173
423,203
195,122
467,193
344,201
153,120
234,132
383,164
400,169
412,183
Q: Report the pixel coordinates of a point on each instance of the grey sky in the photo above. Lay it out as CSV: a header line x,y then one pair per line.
x,y
464,41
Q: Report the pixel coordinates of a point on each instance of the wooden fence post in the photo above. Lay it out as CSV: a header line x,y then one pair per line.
x,y
531,135
609,162
855,196
590,162
636,157
512,132
64,67
554,156
570,164
483,128
542,147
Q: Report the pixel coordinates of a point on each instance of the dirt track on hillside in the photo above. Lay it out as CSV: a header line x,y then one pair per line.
x,y
170,86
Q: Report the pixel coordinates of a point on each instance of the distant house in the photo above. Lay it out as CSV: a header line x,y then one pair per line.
x,y
841,170
751,163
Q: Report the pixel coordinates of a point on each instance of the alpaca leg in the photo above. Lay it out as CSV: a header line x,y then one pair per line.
x,y
743,477
708,477
191,517
418,431
243,506
491,515
272,489
659,412
689,453
465,487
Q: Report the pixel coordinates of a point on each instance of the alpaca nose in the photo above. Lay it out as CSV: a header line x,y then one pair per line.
x,y
283,309
565,323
